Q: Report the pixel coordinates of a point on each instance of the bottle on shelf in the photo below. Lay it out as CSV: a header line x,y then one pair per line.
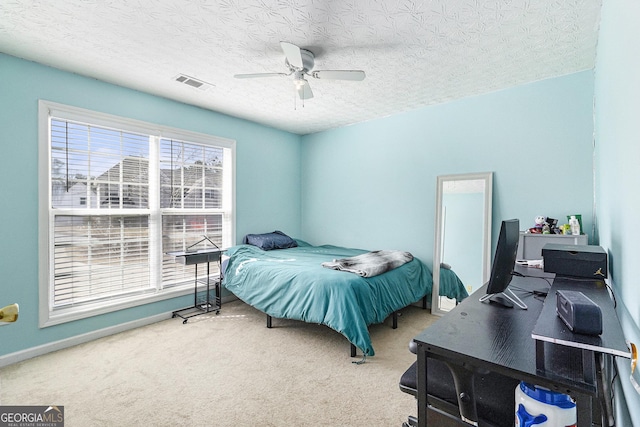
x,y
575,225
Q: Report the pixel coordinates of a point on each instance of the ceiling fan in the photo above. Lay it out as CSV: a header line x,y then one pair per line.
x,y
300,63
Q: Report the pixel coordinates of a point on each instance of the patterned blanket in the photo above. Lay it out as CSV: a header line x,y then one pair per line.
x,y
371,263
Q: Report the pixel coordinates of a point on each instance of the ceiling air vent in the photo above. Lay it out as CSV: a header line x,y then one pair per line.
x,y
192,81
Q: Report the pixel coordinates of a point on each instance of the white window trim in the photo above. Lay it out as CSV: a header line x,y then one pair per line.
x,y
45,234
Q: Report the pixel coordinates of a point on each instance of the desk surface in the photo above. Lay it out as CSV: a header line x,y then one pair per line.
x,y
499,339
550,328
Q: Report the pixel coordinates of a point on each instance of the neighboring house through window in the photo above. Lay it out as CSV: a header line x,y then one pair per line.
x,y
116,195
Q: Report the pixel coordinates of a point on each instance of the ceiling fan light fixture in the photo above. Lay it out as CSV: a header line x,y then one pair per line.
x,y
300,62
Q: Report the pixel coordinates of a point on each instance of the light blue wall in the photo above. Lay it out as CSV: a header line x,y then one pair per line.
x,y
372,185
617,107
267,182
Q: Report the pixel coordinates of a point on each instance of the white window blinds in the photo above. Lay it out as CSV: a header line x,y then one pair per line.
x,y
97,174
97,257
191,188
119,196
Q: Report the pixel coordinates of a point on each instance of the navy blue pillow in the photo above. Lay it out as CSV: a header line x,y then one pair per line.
x,y
269,241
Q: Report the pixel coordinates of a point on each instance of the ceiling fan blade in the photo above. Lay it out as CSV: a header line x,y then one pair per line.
x,y
251,76
355,75
304,91
292,52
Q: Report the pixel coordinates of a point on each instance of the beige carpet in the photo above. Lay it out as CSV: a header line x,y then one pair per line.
x,y
225,370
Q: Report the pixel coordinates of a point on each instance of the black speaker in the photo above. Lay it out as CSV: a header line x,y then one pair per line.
x,y
579,312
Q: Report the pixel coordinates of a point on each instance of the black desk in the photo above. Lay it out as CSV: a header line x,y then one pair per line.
x,y
549,327
485,336
597,351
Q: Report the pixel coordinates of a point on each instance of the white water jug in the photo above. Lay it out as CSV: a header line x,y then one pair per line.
x,y
538,406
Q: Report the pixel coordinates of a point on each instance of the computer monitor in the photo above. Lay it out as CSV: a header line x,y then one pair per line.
x,y
504,261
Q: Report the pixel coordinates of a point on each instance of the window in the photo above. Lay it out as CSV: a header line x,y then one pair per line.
x,y
116,195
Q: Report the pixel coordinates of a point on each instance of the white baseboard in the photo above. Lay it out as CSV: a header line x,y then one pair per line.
x,y
19,356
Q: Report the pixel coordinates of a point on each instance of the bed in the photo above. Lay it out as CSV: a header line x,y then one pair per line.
x,y
291,283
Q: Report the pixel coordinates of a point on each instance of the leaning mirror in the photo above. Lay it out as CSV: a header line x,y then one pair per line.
x,y
462,249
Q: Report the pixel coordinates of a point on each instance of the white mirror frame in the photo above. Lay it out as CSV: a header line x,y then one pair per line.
x,y
487,177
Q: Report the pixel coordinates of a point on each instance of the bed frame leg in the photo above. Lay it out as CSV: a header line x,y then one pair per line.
x,y
424,302
269,321
353,350
395,320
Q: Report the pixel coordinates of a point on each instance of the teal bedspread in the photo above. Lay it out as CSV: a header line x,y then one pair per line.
x,y
292,284
451,286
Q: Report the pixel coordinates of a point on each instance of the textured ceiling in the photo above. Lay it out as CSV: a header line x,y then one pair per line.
x,y
415,53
